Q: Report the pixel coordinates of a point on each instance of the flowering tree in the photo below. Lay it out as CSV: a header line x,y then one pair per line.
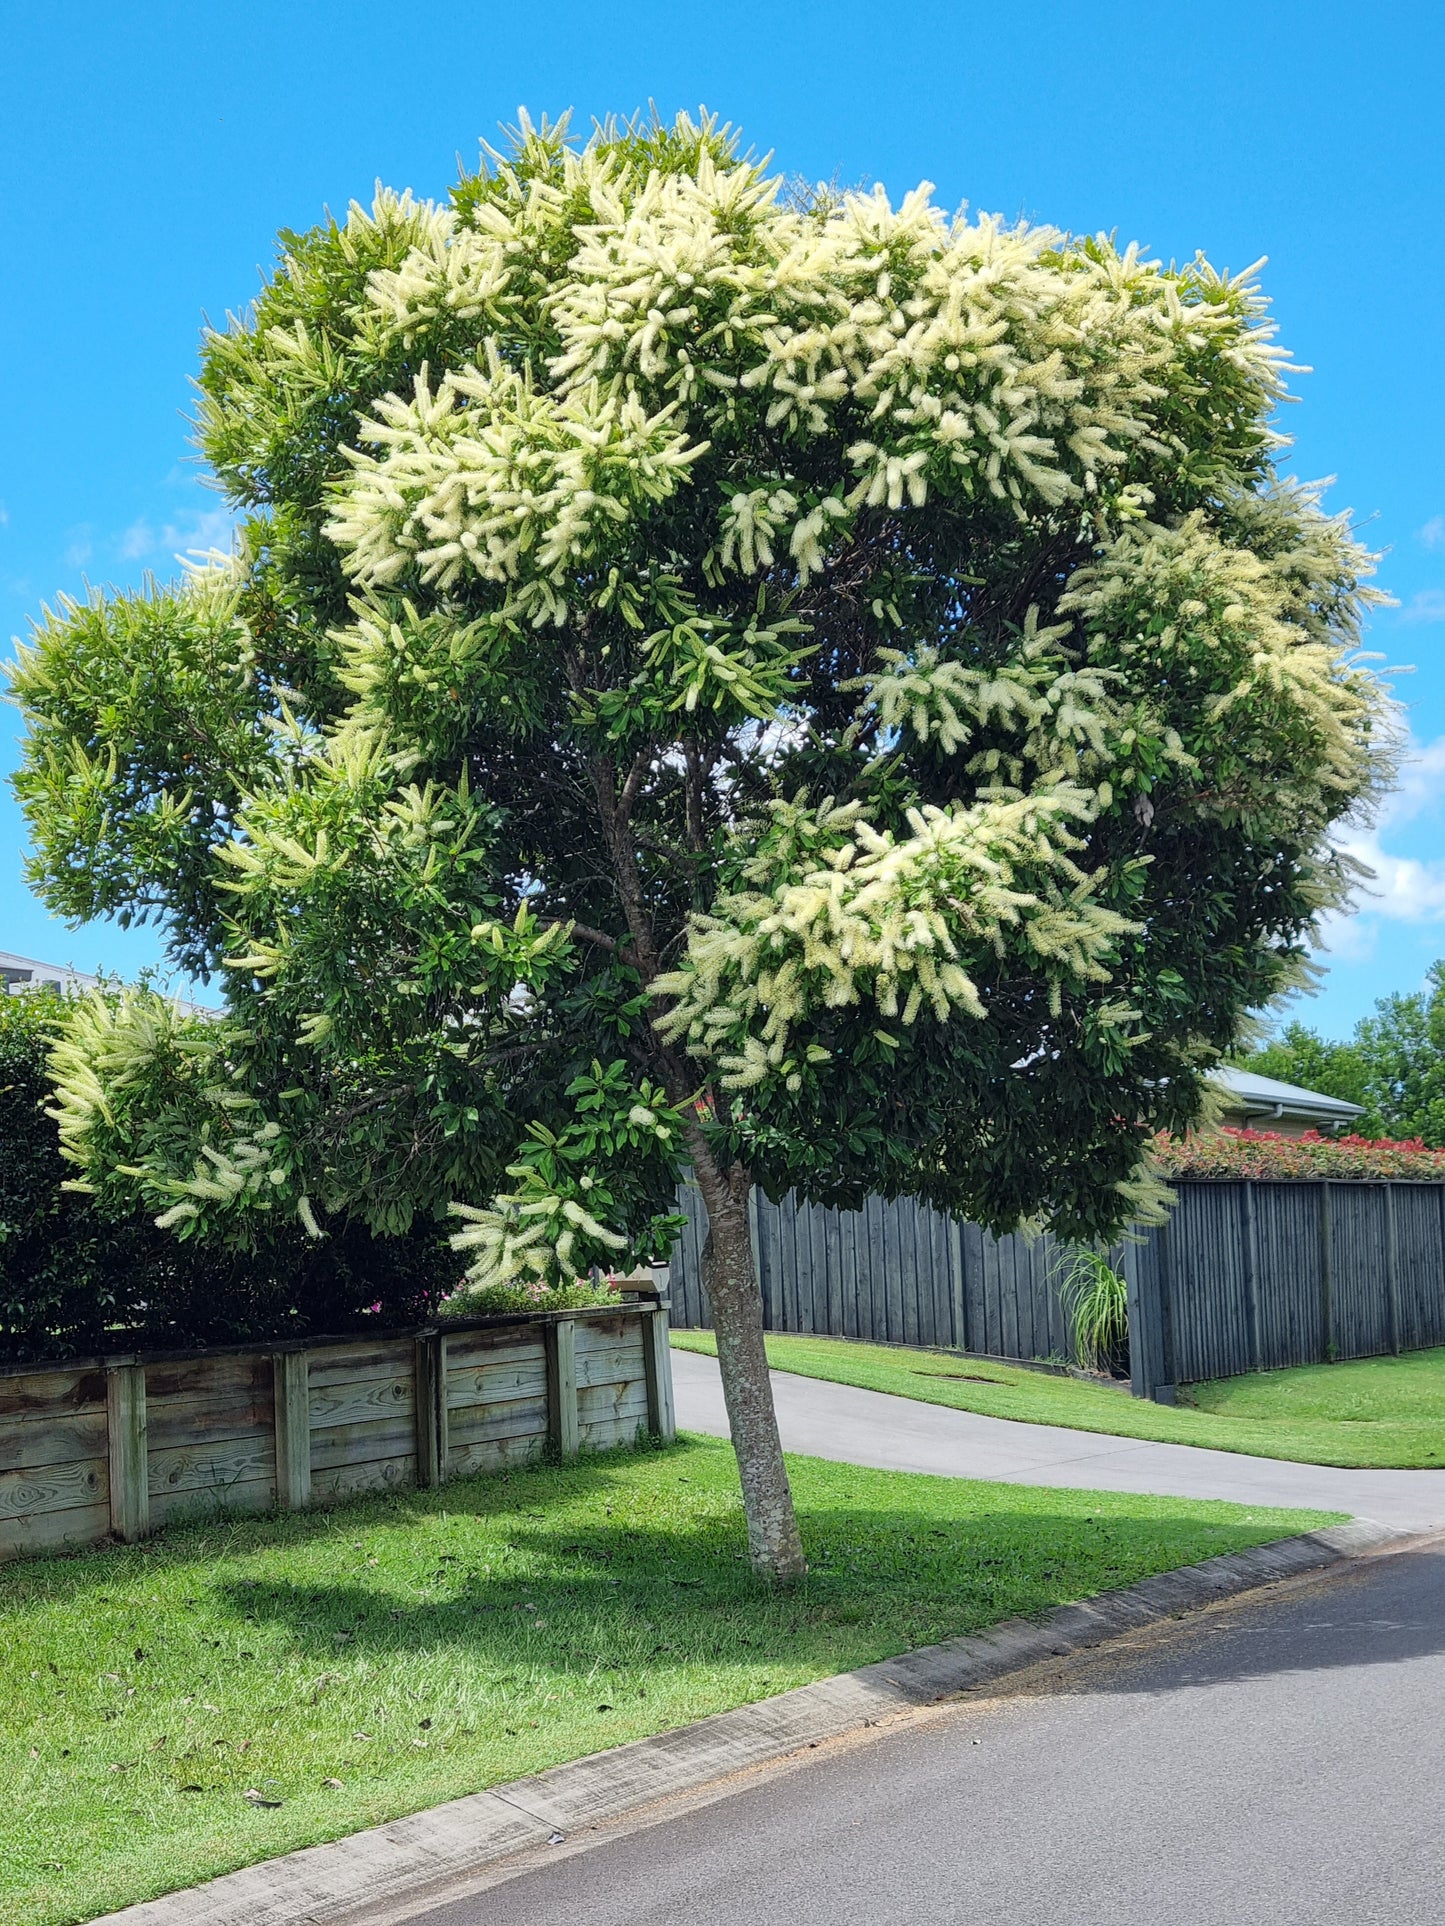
x,y
827,694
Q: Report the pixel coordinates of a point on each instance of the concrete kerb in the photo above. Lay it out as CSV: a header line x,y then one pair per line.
x,y
409,1864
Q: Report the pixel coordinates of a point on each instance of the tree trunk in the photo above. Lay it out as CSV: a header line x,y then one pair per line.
x,y
774,1546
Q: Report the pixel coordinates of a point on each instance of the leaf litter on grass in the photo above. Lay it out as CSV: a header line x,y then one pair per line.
x,y
248,1729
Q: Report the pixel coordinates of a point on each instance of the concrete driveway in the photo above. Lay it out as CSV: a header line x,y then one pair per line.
x,y
899,1434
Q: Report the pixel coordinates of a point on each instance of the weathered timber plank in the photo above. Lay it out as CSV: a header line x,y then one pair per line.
x,y
179,1421
657,1377
562,1386
492,1454
429,1381
49,1531
339,1444
291,1382
480,1422
483,1384
599,1403
213,1466
387,1474
356,1363
605,1433
468,1349
596,1333
52,1488
49,1394
243,1378
28,1442
372,1398
618,1364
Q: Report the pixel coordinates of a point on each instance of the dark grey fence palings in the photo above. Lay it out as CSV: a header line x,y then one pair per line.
x,y
1246,1275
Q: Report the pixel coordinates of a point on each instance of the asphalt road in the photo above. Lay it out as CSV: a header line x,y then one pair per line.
x,y
1279,1761
903,1434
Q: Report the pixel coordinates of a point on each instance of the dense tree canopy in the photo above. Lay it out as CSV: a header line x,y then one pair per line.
x,y
77,1278
831,692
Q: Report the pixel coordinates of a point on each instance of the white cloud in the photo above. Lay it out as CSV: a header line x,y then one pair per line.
x,y
1349,937
206,529
1433,533
4,516
81,547
1402,889
1427,606
1420,786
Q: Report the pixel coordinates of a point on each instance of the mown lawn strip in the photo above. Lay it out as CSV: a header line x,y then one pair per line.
x,y
171,1710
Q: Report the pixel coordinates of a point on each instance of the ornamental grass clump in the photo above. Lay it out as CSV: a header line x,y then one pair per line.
x,y
827,693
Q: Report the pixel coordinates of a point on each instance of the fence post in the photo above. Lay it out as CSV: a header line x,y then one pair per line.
x,y
1166,1393
1142,1277
957,1292
291,1376
657,1370
430,1384
1151,1342
1251,1279
125,1410
1327,1273
561,1342
1392,1270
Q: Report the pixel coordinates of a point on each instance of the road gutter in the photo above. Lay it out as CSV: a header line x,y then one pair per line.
x,y
389,1873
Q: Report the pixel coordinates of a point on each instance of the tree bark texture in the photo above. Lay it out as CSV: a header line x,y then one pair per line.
x,y
774,1545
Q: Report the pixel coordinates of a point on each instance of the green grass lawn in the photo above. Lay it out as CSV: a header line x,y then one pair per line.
x,y
353,1665
1374,1412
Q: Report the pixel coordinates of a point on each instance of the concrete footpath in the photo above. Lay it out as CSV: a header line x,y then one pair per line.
x,y
899,1434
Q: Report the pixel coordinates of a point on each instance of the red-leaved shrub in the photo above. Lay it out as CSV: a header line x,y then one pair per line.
x,y
1266,1154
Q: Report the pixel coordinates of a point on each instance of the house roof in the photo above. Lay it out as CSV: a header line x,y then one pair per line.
x,y
1269,1100
26,972
18,971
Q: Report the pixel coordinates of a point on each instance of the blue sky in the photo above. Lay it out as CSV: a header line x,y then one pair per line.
x,y
151,152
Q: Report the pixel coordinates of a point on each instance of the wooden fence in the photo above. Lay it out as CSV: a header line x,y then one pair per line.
x,y
1245,1276
1255,1276
97,1447
891,1273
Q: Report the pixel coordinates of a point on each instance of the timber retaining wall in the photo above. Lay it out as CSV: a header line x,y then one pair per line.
x,y
119,1446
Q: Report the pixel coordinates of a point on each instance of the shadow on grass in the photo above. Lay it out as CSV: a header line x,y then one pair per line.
x,y
619,1599
621,1595
209,1530
531,1567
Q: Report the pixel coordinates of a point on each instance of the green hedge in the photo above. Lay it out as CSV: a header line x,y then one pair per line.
x,y
73,1282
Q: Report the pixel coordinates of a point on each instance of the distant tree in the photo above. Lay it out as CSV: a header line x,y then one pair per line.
x,y
822,693
1394,1064
1299,1055
1403,1049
